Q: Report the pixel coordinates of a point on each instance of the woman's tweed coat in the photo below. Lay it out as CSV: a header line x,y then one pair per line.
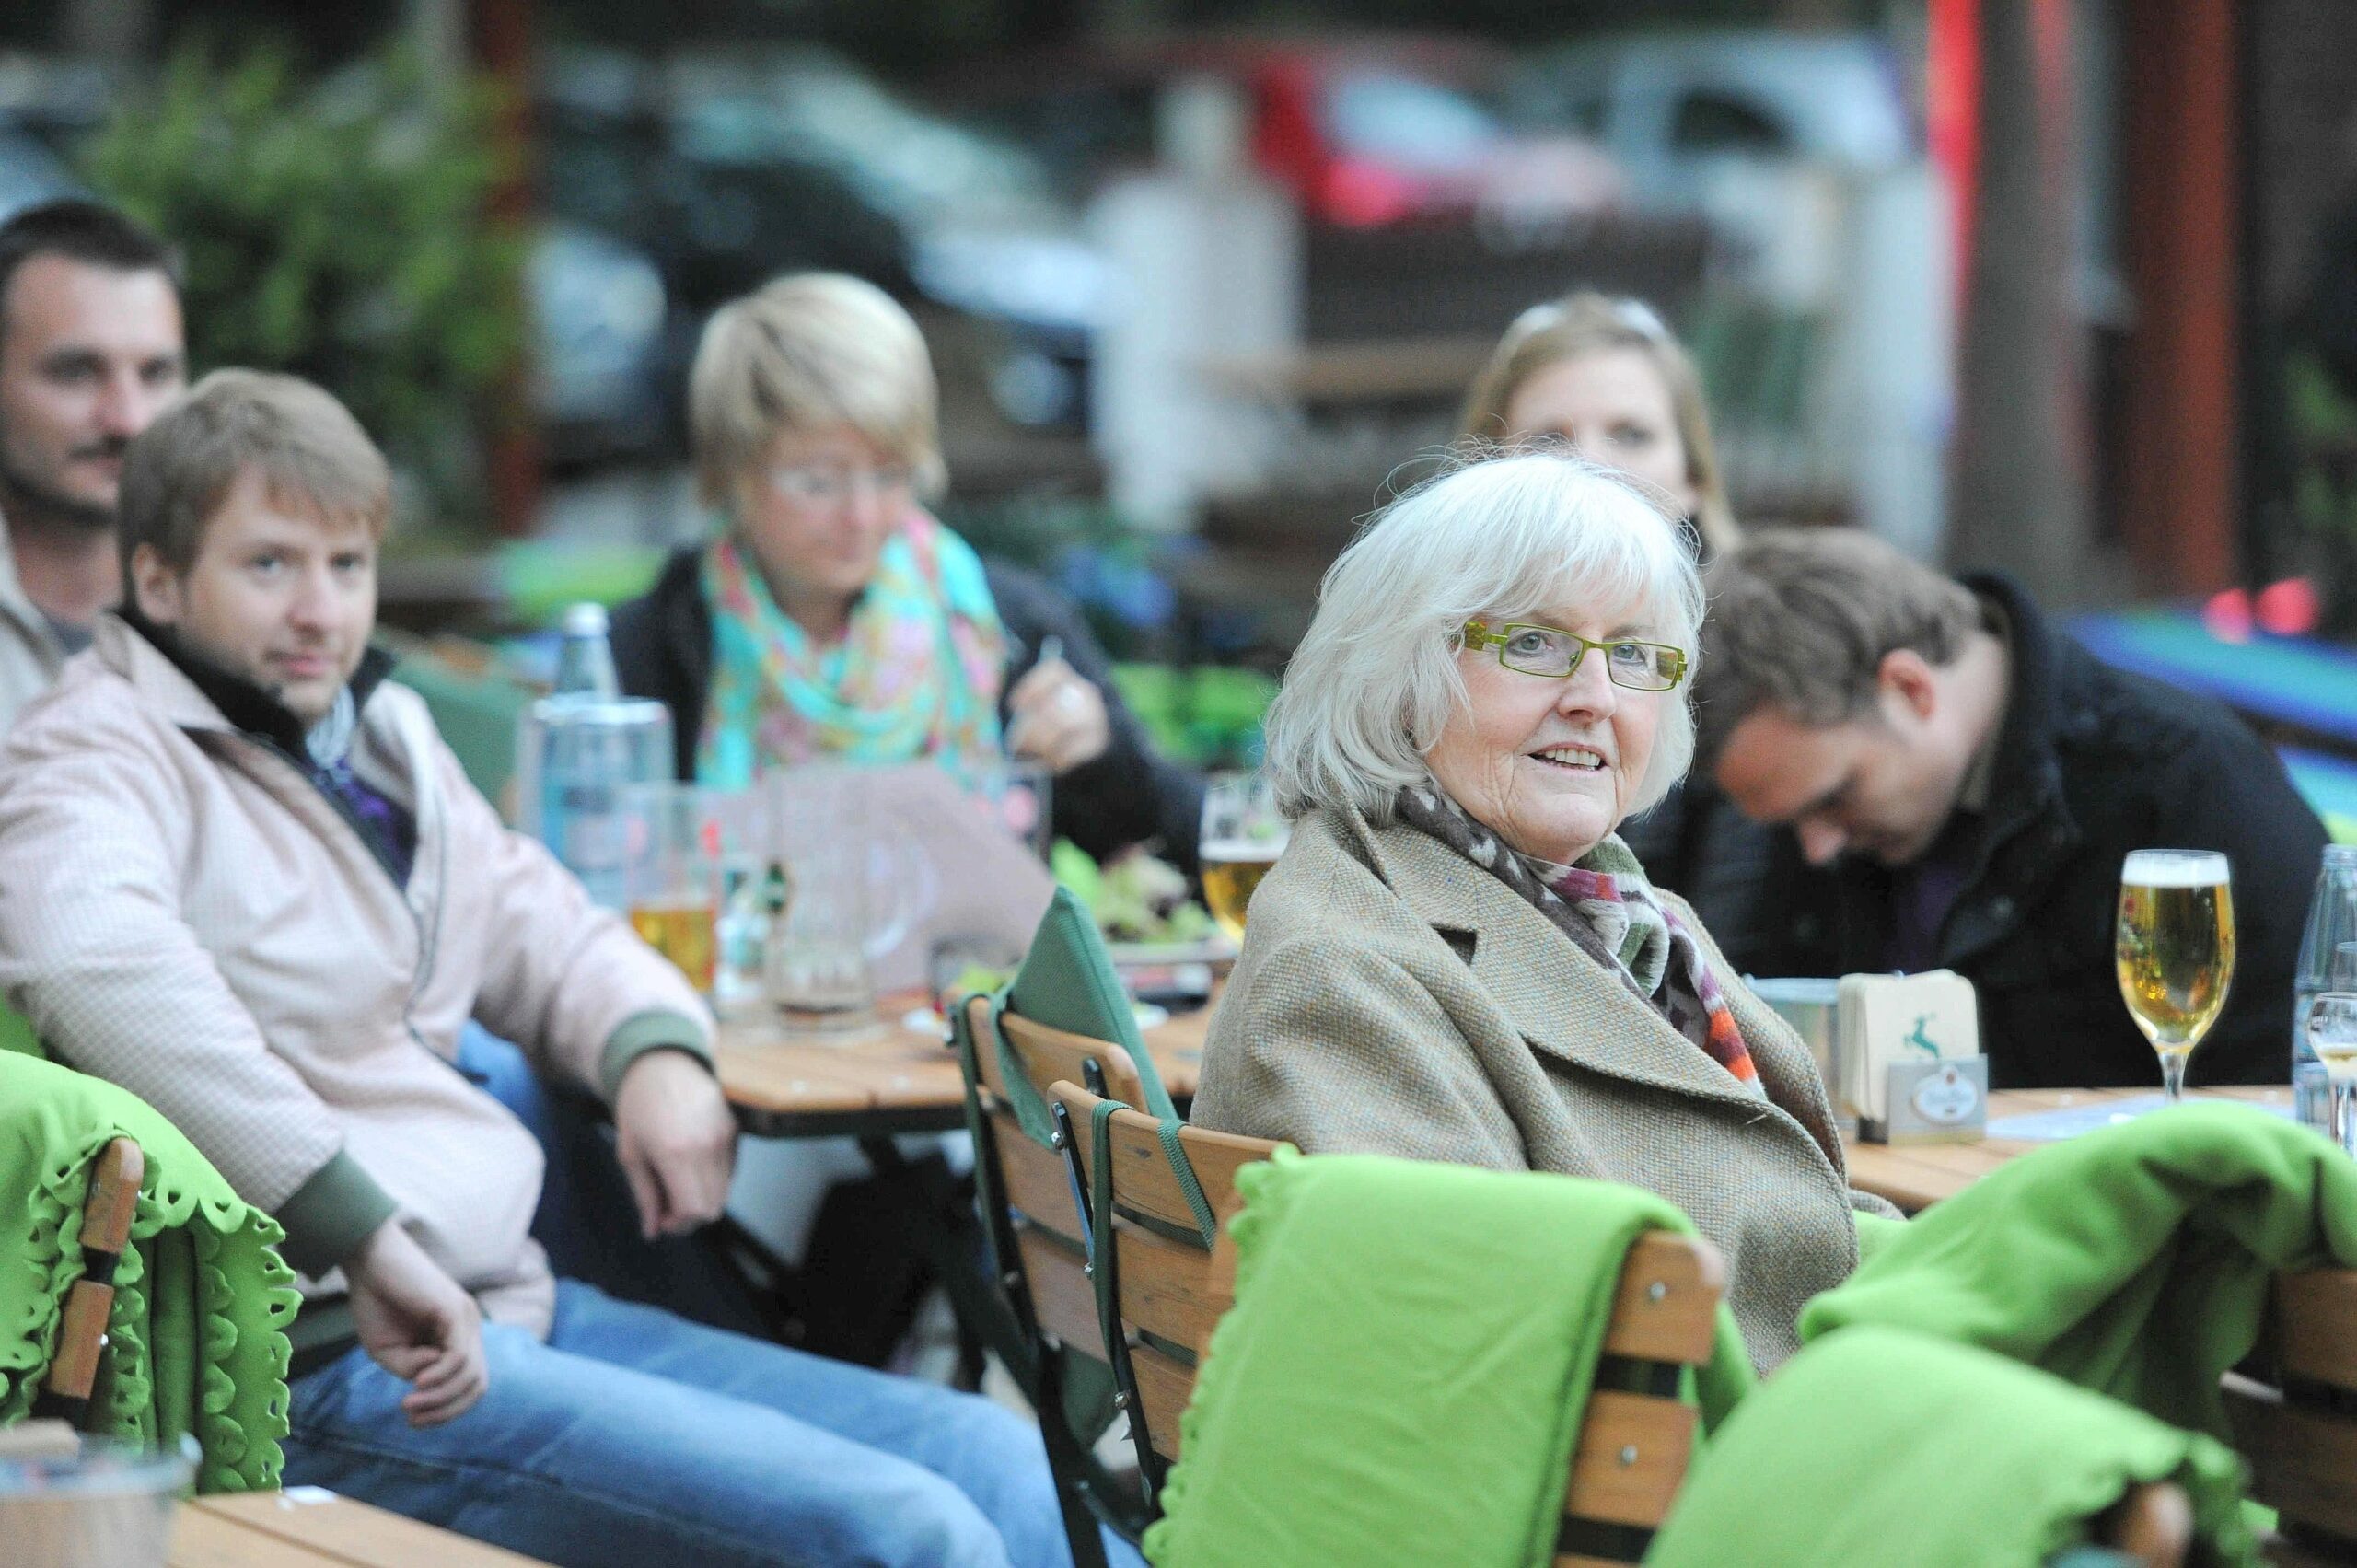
x,y
1395,999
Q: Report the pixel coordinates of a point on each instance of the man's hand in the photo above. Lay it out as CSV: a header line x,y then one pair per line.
x,y
416,1323
676,1139
1054,716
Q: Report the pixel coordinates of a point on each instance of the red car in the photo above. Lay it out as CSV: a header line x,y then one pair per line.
x,y
1366,130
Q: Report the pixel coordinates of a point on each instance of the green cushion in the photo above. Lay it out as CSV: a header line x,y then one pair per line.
x,y
1877,1446
16,1034
2134,1261
1406,1365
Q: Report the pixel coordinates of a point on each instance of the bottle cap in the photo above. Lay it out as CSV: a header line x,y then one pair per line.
x,y
584,620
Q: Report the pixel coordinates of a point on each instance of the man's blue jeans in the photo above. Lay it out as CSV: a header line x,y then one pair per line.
x,y
635,1438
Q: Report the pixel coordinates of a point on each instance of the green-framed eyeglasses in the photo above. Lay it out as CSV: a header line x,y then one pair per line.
x,y
1555,654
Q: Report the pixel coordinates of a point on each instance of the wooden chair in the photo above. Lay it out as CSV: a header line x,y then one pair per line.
x,y
2295,1422
107,1212
1032,1220
1637,1436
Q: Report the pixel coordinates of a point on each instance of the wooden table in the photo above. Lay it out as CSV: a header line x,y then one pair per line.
x,y
889,1079
310,1528
1916,1176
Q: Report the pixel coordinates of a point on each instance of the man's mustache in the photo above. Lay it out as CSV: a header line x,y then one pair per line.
x,y
105,446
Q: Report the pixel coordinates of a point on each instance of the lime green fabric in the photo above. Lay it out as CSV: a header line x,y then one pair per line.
x,y
1067,981
1876,1232
2132,1260
1405,1369
17,1033
202,1297
1877,1446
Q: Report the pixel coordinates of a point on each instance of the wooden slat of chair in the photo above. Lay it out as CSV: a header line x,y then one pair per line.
x,y
1049,1054
2315,1327
2304,1462
1169,1286
1164,1385
1063,1299
1142,1174
1632,1449
1032,1178
2300,1437
112,1199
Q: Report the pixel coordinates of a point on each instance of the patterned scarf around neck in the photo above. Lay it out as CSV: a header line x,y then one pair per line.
x,y
915,676
1606,905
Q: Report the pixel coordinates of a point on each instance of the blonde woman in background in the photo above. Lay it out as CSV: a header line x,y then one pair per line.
x,y
828,615
1607,379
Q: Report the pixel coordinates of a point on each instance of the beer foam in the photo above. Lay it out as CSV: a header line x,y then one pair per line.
x,y
1241,852
2179,868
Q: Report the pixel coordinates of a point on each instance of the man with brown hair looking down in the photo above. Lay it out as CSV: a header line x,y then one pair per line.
x,y
1970,780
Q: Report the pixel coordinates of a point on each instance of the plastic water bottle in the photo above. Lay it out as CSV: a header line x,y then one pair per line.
x,y
580,751
2332,922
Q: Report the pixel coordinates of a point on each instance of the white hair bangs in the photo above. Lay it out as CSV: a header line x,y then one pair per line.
x,y
1374,679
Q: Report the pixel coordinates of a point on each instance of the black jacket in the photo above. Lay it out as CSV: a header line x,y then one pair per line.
x,y
662,644
2092,762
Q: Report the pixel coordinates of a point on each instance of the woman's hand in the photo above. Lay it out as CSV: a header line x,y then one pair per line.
x,y
417,1323
1057,717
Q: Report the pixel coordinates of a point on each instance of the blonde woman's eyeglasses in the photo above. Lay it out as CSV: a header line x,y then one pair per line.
x,y
820,485
1554,654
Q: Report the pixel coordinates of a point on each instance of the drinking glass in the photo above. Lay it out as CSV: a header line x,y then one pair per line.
x,y
850,894
2175,950
1243,836
674,874
2332,1033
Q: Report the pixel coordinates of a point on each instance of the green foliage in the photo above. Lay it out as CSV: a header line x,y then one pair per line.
x,y
336,230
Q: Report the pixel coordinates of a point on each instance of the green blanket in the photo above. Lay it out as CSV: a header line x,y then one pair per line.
x,y
202,1298
1406,1365
1878,1445
2133,1261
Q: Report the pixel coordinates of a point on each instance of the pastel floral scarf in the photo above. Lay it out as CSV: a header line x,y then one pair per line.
x,y
915,676
1606,905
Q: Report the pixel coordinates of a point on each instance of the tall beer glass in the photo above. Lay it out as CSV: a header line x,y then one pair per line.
x,y
1243,835
2176,949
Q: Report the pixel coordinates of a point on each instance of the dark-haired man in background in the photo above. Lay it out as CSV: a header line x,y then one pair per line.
x,y
1968,779
91,350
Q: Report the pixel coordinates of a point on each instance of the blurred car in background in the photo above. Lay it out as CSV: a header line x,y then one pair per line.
x,y
1364,130
731,170
1666,106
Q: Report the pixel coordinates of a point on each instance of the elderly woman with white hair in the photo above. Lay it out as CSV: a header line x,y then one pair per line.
x,y
1456,958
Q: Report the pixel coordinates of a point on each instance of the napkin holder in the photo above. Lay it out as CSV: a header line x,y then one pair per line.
x,y
1909,1056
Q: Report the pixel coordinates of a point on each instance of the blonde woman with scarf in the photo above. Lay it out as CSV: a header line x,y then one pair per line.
x,y
829,616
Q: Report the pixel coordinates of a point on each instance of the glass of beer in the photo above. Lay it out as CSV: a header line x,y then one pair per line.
x,y
674,875
1243,835
2176,949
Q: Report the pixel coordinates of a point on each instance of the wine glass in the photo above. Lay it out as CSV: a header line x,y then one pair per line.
x,y
2332,1034
2175,950
1243,835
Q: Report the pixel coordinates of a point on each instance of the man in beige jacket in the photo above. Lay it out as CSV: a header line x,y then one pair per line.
x,y
90,351
247,881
